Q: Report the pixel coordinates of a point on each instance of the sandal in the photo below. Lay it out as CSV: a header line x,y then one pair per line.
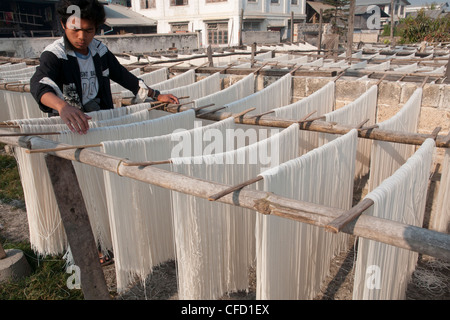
x,y
105,260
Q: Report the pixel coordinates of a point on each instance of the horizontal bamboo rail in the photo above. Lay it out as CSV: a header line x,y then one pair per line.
x,y
315,124
405,236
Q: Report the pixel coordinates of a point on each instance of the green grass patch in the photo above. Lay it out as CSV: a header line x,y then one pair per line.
x,y
10,185
48,280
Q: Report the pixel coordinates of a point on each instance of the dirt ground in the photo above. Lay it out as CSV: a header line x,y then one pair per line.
x,y
430,281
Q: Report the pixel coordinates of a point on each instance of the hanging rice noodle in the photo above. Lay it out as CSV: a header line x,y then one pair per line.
x,y
215,241
293,258
387,157
322,101
441,218
275,95
143,237
181,80
354,113
46,231
199,89
236,91
383,271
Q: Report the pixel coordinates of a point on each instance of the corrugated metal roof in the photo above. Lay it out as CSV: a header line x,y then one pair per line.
x,y
117,15
378,2
319,5
433,14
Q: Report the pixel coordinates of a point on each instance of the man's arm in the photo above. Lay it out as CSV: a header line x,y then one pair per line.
x,y
44,88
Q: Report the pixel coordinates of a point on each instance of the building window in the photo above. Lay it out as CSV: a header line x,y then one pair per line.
x,y
294,2
180,28
217,33
252,1
252,26
178,2
274,1
148,4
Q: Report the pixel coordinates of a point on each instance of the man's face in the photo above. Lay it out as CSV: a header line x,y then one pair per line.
x,y
80,33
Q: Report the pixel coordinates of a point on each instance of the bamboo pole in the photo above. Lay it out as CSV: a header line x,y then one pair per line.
x,y
307,116
408,237
144,163
318,125
203,107
340,222
223,193
2,252
263,114
243,113
210,111
25,134
63,148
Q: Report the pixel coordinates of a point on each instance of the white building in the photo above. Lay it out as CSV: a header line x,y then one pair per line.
x,y
218,21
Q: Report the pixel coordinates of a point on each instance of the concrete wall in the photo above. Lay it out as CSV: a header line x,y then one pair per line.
x,y
435,111
260,37
142,43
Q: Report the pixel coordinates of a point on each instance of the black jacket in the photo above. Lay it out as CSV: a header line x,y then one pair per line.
x,y
59,73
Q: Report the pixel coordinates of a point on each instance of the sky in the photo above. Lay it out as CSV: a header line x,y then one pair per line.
x,y
424,2
413,2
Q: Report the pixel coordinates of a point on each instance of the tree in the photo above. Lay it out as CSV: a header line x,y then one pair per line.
x,y
338,16
424,28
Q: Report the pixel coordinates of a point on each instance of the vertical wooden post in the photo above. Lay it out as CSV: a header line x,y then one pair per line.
x,y
210,58
292,26
351,19
252,59
241,28
319,46
392,24
2,252
76,223
447,71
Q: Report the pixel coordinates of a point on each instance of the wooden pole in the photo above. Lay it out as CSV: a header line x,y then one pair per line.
x,y
76,223
210,58
63,148
252,58
22,134
318,125
241,29
340,222
292,26
392,24
447,70
145,163
404,236
223,193
351,19
319,45
2,252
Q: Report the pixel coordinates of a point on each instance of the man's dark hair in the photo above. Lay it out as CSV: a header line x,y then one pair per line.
x,y
91,10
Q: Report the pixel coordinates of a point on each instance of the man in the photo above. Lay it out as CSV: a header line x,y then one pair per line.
x,y
75,71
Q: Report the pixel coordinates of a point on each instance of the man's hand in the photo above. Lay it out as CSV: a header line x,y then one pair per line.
x,y
75,119
169,98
